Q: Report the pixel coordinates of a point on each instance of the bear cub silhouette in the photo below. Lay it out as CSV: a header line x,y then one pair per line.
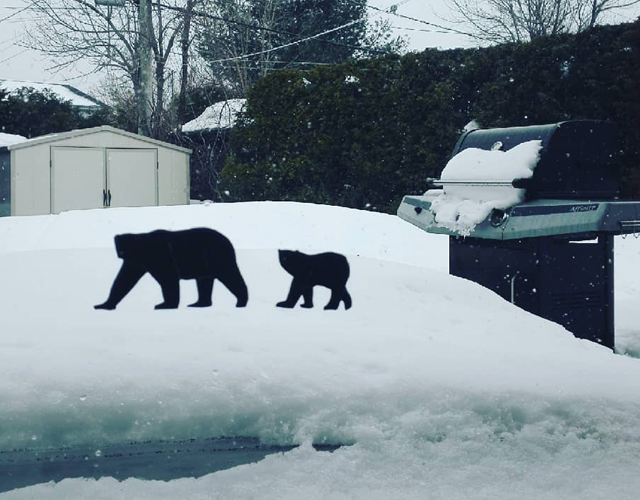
x,y
169,256
325,269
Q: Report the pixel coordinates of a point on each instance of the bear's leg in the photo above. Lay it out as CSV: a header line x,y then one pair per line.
x,y
170,293
346,298
307,295
126,279
337,294
233,280
169,281
205,289
294,294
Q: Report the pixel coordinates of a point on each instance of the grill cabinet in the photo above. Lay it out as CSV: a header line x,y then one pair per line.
x,y
551,255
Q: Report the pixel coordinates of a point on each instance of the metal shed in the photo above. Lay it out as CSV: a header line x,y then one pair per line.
x,y
98,167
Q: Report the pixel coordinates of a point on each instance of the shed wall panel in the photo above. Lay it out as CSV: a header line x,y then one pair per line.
x,y
77,178
31,181
173,177
5,183
132,177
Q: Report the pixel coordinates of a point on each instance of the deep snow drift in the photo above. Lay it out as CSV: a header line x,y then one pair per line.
x,y
443,389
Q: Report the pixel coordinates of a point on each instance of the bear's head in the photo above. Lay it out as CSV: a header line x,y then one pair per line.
x,y
127,245
290,260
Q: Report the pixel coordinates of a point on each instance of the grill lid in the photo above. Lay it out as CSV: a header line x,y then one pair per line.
x,y
577,160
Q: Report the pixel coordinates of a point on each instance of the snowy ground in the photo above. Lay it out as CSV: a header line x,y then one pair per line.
x,y
444,390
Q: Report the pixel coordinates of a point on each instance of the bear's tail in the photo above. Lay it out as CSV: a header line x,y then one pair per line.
x,y
346,298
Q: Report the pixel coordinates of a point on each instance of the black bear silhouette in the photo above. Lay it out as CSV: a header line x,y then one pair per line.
x,y
328,269
169,256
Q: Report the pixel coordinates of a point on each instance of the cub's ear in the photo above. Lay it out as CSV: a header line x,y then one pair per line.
x,y
286,258
284,254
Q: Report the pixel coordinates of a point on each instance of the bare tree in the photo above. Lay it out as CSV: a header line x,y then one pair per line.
x,y
523,20
116,39
237,28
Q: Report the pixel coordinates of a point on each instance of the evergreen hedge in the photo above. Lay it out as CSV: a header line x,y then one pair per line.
x,y
363,134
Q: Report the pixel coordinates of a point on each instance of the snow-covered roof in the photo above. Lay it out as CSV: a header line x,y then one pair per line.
x,y
10,139
93,130
62,91
220,115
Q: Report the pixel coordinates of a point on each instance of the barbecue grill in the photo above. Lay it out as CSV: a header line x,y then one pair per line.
x,y
552,254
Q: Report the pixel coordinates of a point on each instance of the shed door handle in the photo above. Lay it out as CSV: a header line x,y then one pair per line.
x,y
104,197
109,198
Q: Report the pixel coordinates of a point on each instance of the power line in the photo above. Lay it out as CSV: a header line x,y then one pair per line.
x,y
206,15
392,12
15,13
14,55
421,30
297,42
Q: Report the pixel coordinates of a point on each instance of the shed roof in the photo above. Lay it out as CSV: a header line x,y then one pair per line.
x,y
94,130
8,139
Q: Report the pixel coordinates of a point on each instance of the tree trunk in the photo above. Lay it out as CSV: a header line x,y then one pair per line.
x,y
145,59
184,71
159,115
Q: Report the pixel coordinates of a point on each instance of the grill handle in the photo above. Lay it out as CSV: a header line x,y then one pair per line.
x,y
433,183
629,226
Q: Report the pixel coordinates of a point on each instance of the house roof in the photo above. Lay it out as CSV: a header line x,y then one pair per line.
x,y
62,91
86,131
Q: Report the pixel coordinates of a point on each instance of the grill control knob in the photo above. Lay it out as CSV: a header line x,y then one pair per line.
x,y
498,217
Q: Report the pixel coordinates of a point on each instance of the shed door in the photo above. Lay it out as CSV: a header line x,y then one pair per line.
x,y
77,178
132,177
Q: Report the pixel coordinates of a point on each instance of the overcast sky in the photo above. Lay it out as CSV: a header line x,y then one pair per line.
x,y
19,63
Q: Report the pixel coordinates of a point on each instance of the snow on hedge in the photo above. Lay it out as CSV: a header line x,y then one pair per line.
x,y
460,208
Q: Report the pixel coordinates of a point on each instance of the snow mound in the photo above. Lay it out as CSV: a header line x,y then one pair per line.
x,y
460,208
442,389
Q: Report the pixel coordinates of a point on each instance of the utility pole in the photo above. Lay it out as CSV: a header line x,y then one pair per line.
x,y
145,70
144,60
184,72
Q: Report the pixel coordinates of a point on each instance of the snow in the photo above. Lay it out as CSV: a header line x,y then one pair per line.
x,y
442,389
9,139
461,207
472,125
221,115
61,91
